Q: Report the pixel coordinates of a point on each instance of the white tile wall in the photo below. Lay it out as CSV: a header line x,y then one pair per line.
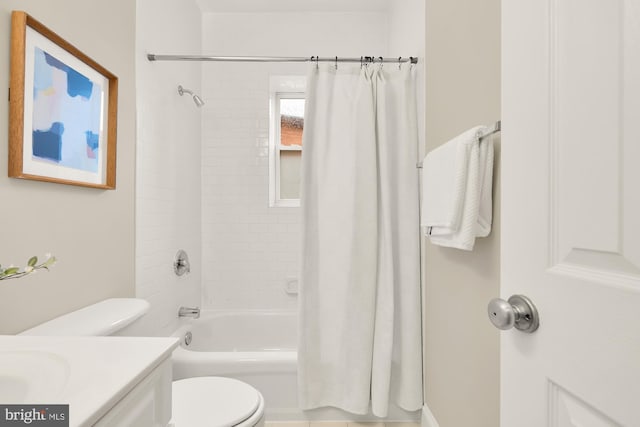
x,y
248,249
212,200
168,159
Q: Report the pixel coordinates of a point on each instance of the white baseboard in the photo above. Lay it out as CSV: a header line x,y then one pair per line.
x,y
428,420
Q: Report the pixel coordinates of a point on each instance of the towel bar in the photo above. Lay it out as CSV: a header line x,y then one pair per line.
x,y
497,126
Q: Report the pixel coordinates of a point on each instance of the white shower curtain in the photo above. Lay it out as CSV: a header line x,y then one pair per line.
x,y
360,323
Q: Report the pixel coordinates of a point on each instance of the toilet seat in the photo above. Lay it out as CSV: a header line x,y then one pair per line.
x,y
215,402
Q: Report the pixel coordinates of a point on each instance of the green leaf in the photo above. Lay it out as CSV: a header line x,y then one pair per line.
x,y
12,270
32,261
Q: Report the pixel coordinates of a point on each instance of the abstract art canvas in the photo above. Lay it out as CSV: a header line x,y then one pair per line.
x,y
62,110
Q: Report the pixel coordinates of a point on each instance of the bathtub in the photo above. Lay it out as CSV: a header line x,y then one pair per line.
x,y
259,348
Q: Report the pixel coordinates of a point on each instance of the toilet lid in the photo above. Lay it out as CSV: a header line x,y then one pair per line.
x,y
215,401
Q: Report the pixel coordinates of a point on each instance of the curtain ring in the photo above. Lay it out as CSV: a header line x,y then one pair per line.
x,y
336,62
399,62
361,62
317,62
381,62
369,59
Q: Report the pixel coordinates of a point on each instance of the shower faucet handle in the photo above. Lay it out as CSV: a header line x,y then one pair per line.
x,y
181,263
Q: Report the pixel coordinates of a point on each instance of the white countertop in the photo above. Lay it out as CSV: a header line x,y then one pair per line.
x,y
91,374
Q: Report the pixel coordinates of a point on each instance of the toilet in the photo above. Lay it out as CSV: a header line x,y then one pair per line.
x,y
216,402
196,402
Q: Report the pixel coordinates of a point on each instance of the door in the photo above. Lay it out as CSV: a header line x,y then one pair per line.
x,y
571,211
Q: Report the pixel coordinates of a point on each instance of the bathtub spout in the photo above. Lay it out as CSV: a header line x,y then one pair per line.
x,y
189,312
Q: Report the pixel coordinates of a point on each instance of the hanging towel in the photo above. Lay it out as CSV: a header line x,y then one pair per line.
x,y
457,184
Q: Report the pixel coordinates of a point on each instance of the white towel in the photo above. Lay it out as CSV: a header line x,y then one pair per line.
x,y
457,183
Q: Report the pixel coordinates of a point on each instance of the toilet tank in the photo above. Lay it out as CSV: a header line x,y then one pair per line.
x,y
100,319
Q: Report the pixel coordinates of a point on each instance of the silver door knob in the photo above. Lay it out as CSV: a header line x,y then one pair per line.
x,y
518,312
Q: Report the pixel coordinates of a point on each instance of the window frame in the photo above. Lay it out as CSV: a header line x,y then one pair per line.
x,y
281,88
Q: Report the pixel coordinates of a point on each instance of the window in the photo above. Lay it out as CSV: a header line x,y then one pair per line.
x,y
285,140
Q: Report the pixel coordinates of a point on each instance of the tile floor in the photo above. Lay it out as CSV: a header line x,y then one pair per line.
x,y
337,424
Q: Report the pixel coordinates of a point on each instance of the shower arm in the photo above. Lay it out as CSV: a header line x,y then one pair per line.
x,y
199,102
182,91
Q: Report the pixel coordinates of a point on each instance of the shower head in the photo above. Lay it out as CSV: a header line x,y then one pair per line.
x,y
198,101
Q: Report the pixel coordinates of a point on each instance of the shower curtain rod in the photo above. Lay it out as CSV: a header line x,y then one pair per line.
x,y
362,59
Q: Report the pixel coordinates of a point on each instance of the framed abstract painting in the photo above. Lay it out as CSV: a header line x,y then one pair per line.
x,y
62,110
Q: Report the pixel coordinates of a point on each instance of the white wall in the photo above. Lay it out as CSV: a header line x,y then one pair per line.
x,y
250,249
463,90
90,231
168,162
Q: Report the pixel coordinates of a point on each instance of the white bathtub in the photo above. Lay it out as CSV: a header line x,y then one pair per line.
x,y
259,348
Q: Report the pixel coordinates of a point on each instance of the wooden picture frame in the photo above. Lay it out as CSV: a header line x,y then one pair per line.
x,y
62,110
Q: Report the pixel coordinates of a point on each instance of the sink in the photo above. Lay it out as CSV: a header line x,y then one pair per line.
x,y
32,375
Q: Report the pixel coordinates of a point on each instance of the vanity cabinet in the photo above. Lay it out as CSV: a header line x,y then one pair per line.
x,y
148,404
106,381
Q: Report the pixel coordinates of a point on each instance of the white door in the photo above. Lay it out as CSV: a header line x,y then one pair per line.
x,y
571,211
